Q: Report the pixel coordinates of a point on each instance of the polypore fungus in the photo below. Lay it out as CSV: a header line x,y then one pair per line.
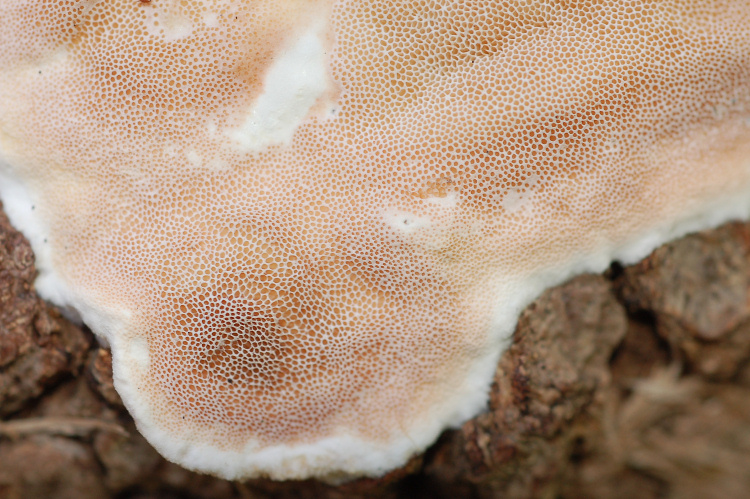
x,y
306,228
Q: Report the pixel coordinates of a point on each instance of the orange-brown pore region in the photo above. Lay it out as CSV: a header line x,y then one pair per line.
x,y
284,346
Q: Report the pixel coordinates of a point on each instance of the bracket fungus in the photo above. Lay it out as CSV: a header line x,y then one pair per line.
x,y
306,228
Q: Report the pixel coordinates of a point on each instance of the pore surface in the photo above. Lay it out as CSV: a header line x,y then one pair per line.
x,y
307,228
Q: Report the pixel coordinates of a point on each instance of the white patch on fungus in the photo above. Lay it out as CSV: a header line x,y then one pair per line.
x,y
403,221
211,19
293,84
169,25
308,260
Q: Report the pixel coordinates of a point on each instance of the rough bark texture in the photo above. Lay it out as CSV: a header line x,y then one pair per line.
x,y
631,384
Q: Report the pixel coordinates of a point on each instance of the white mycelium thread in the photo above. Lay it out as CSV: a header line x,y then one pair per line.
x,y
306,228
